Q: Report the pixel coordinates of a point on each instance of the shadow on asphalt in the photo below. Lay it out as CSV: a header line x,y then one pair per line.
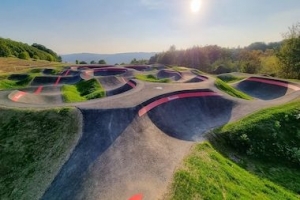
x,y
187,119
101,128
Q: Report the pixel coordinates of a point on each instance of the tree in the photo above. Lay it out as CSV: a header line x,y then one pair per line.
x,y
4,51
77,62
289,52
93,62
102,62
250,61
82,62
24,55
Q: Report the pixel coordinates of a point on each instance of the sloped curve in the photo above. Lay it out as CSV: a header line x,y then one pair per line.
x,y
265,88
100,129
188,118
164,73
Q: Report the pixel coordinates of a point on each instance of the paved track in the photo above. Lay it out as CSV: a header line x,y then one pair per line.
x,y
123,153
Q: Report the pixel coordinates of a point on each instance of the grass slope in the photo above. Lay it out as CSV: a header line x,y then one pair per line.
x,y
206,174
33,147
267,143
254,158
151,78
221,85
15,65
82,91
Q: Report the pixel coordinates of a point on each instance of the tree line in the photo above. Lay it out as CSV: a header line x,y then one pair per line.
x,y
10,48
279,59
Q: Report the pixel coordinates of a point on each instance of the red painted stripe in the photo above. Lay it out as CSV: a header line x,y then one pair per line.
x,y
57,80
67,72
131,84
163,100
18,95
39,89
136,197
273,82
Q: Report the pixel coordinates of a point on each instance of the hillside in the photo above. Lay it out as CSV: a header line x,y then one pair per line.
x,y
109,58
11,48
19,65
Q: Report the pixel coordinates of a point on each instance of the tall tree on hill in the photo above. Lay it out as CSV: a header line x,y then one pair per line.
x,y
4,51
102,62
289,52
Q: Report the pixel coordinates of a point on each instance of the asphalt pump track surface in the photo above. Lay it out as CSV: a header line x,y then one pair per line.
x,y
132,142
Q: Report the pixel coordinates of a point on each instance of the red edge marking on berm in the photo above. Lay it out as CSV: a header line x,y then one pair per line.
x,y
136,197
57,80
38,90
18,95
67,72
163,100
274,82
131,84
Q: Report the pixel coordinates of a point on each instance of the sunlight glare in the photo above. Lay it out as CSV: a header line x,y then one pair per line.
x,y
195,5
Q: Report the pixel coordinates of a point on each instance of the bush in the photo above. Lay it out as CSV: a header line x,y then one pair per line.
x,y
24,55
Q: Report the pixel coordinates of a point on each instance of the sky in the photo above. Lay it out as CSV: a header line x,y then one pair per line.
x,y
117,26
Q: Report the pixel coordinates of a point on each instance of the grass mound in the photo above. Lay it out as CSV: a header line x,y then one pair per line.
x,y
82,91
33,147
5,83
221,85
229,78
271,134
206,174
152,78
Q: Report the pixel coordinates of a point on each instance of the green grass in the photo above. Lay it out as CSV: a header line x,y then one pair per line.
x,y
229,78
33,147
5,83
207,174
179,68
221,85
267,143
82,91
151,78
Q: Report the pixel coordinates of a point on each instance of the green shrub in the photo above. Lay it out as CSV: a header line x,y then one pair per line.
x,y
24,55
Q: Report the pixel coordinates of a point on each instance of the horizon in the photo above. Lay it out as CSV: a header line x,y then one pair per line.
x,y
114,27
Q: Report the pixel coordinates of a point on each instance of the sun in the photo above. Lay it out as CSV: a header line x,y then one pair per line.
x,y
195,5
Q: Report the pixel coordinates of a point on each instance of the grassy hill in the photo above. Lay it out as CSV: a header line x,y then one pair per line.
x,y
254,158
10,48
16,65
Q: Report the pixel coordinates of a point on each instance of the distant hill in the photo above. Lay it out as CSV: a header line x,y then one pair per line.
x,y
109,58
11,48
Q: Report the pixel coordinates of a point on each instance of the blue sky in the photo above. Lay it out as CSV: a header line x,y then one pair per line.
x,y
115,26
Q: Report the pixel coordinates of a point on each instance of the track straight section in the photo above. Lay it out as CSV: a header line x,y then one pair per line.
x,y
163,100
